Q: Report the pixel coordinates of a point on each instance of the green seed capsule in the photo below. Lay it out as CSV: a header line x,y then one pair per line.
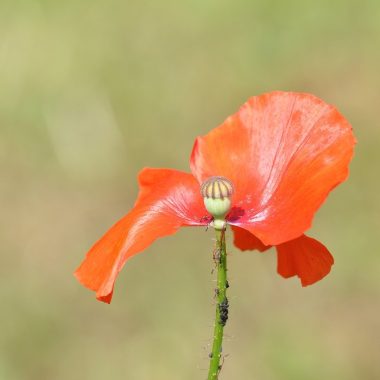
x,y
217,193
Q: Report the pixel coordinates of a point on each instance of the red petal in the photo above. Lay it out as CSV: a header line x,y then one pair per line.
x,y
168,199
304,257
284,152
245,241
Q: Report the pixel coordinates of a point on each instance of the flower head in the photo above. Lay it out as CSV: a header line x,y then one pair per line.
x,y
265,171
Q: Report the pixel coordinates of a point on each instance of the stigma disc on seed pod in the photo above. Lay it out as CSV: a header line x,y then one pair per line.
x,y
217,192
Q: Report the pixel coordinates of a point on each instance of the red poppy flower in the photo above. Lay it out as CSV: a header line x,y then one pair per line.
x,y
282,151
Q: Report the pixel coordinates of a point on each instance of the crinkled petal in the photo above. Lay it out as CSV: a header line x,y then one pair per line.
x,y
284,152
168,199
304,257
245,241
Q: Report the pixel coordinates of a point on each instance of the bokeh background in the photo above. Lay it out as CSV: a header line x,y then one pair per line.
x,y
91,92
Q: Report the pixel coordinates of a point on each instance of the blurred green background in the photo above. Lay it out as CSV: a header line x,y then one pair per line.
x,y
91,92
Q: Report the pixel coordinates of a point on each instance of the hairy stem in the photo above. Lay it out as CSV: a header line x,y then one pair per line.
x,y
221,314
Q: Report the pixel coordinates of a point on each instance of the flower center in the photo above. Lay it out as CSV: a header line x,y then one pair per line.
x,y
217,192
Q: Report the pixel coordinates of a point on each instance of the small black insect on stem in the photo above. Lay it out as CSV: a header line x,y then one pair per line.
x,y
223,311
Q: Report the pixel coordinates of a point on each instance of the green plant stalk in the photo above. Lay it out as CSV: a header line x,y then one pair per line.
x,y
221,315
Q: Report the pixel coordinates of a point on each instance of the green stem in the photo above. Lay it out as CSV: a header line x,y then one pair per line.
x,y
221,314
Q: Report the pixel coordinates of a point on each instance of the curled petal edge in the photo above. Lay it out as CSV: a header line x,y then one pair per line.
x,y
168,199
305,258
